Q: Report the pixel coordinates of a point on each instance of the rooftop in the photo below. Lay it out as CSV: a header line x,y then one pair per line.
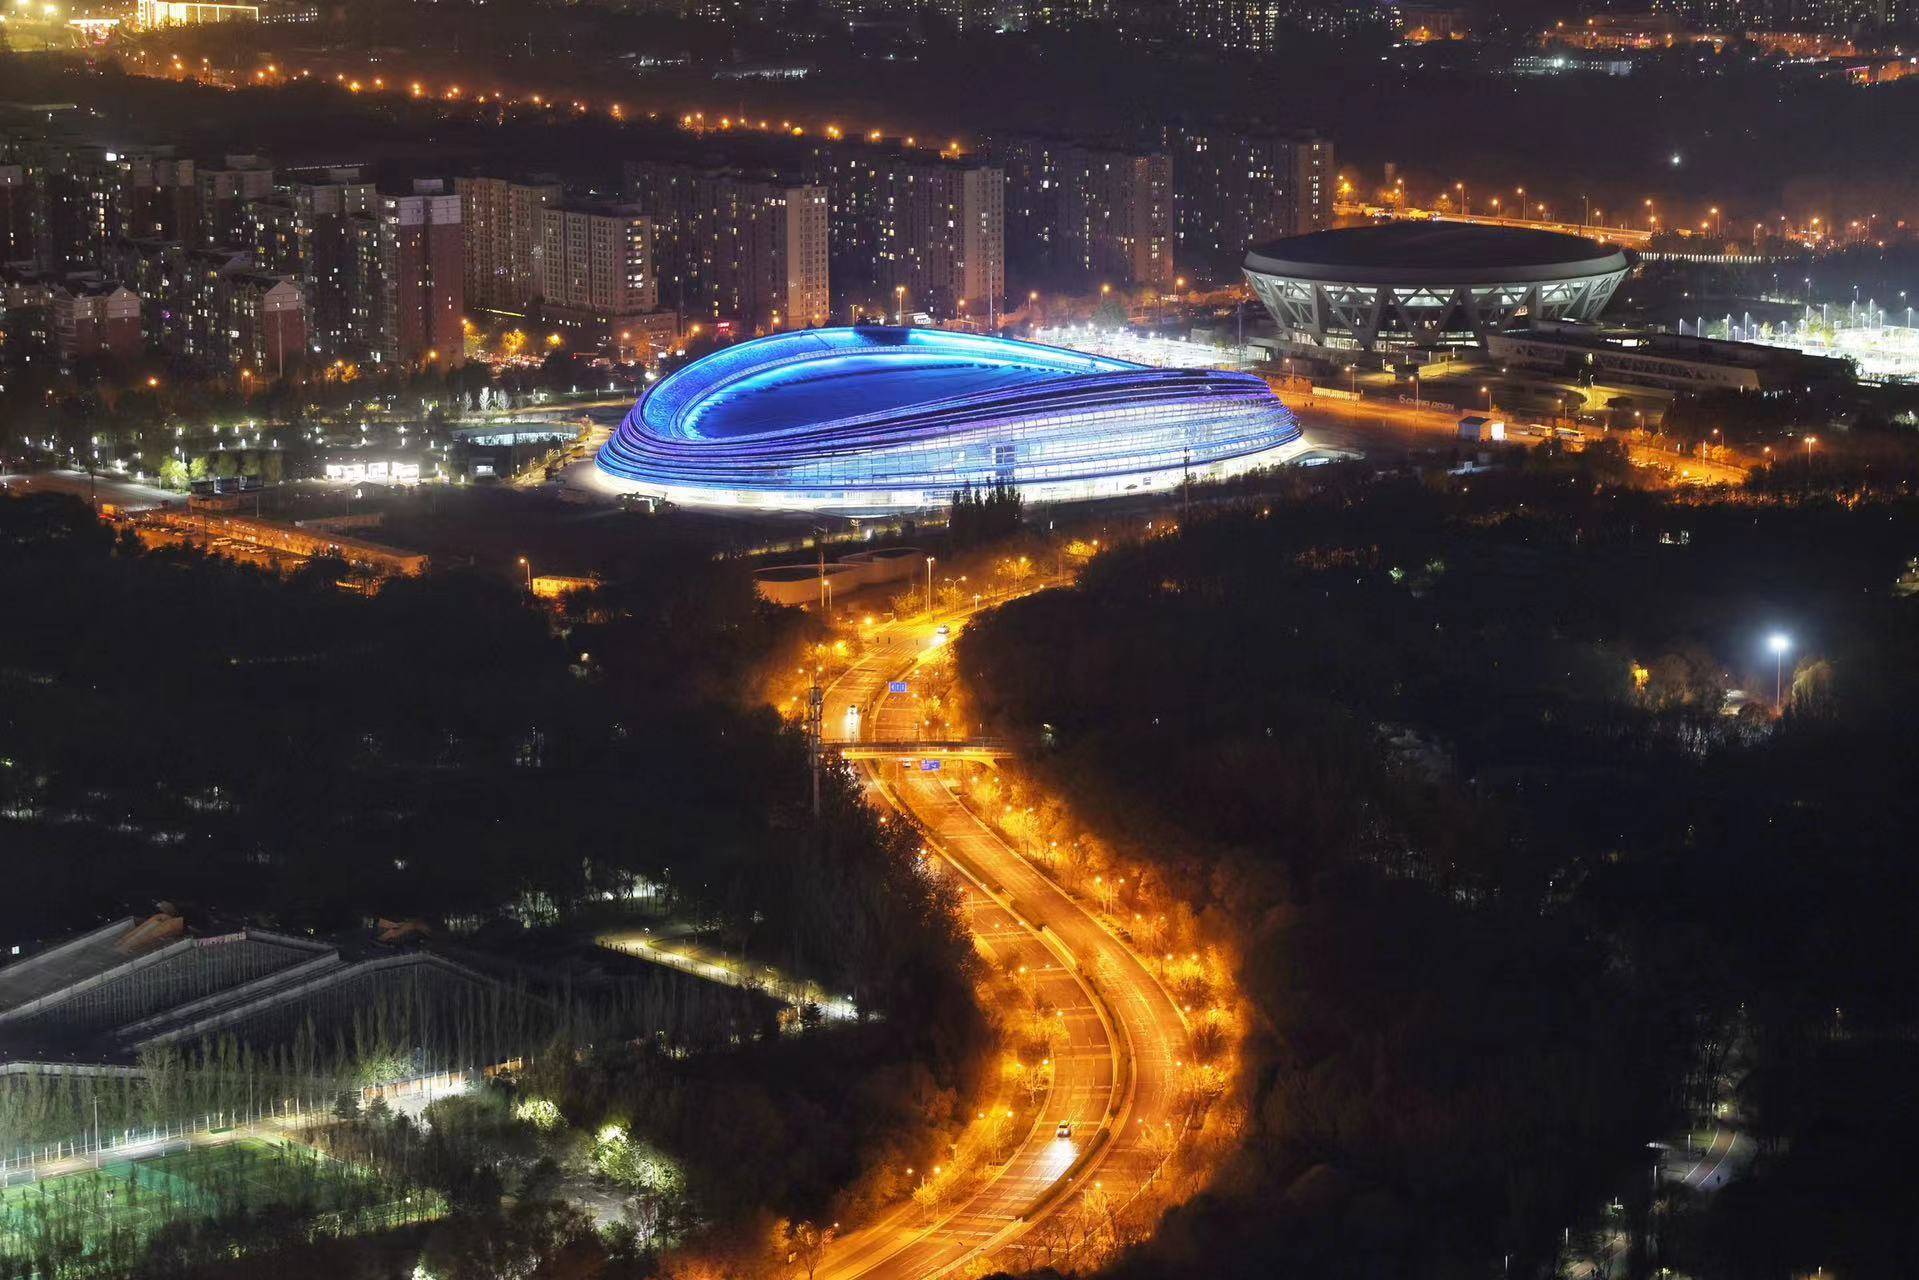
x,y
75,960
102,996
796,380
1422,246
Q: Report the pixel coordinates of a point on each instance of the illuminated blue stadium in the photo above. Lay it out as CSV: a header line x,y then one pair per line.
x,y
881,419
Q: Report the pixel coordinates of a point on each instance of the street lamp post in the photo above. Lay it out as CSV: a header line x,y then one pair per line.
x,y
1779,642
929,584
528,570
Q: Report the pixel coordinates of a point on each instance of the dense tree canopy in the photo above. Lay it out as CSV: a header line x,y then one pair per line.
x,y
1449,763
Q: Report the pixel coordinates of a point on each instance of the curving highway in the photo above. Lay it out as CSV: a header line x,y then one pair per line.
x,y
1114,1071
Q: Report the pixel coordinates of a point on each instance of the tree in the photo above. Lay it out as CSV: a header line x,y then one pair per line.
x,y
544,1237
1812,688
805,1244
976,516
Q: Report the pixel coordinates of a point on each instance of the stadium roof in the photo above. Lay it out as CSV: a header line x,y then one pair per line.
x,y
876,418
1423,252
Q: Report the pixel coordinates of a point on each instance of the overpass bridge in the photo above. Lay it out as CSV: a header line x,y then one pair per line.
x,y
908,749
1631,237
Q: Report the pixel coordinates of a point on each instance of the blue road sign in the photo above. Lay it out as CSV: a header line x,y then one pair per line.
x,y
896,686
929,766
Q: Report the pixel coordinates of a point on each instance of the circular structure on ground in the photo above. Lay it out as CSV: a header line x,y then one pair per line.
x,y
1429,282
873,419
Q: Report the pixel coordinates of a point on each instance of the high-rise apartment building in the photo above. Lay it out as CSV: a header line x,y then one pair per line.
x,y
265,321
361,285
911,228
223,194
795,253
1031,163
324,202
598,260
1117,215
156,272
216,305
301,230
92,317
1233,188
417,299
736,246
503,229
882,225
678,199
74,200
1799,16
1096,212
850,174
277,234
192,319
941,235
16,214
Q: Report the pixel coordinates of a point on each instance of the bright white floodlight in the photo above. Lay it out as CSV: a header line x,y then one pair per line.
x,y
1779,642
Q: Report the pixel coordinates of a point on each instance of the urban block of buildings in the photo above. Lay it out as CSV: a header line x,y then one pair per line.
x,y
247,267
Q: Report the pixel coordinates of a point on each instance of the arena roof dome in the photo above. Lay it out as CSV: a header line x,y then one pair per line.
x,y
1452,247
872,419
1430,281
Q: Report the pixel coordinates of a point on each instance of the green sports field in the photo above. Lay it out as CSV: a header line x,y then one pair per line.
x,y
96,1220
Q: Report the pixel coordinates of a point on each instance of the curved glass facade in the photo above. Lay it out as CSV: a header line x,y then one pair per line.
x,y
876,419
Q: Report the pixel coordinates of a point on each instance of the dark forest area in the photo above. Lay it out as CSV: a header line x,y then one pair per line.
x,y
1484,778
